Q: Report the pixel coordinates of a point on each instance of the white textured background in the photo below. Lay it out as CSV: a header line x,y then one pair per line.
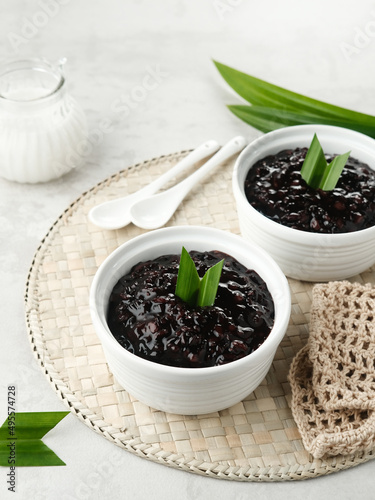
x,y
321,48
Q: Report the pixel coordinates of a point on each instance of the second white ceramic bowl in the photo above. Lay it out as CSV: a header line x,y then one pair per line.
x,y
188,390
300,254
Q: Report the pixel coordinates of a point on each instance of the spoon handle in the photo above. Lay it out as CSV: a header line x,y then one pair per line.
x,y
115,213
155,211
229,149
198,154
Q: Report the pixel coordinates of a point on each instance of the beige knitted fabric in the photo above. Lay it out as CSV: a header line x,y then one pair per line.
x,y
333,376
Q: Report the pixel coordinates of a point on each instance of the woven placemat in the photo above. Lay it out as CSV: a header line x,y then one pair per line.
x,y
255,440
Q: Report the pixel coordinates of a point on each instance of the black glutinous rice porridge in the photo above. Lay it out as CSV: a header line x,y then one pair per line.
x,y
275,188
148,319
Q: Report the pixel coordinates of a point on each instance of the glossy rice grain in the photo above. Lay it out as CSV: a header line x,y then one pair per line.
x,y
149,320
275,188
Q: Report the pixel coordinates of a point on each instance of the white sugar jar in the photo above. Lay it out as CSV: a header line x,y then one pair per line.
x,y
43,130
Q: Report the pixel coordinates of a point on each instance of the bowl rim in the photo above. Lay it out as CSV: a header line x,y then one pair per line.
x,y
295,132
283,316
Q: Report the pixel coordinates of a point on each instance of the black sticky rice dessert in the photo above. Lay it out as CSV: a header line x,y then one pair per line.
x,y
148,319
275,188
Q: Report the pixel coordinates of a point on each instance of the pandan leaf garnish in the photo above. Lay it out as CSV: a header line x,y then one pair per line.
x,y
319,174
191,288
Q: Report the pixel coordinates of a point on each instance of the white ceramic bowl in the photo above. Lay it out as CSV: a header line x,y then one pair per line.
x,y
188,390
300,254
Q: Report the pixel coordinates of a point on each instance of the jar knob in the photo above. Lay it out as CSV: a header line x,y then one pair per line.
x,y
61,63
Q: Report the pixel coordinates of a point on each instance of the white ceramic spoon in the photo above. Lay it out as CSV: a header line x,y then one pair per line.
x,y
155,211
116,213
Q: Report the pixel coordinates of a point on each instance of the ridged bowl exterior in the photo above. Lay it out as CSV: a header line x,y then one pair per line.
x,y
300,254
188,391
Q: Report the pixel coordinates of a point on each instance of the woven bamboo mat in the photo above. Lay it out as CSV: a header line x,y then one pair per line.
x,y
255,440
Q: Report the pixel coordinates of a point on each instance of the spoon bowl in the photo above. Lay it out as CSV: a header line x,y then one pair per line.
x,y
115,214
155,211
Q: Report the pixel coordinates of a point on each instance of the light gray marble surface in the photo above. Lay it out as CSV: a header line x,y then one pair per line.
x,y
324,49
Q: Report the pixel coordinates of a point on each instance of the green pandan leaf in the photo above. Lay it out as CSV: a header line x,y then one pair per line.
x,y
20,439
263,94
316,172
315,164
188,280
193,290
283,107
209,285
333,172
256,117
267,119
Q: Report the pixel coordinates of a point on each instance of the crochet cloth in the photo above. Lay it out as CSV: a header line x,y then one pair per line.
x,y
333,376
